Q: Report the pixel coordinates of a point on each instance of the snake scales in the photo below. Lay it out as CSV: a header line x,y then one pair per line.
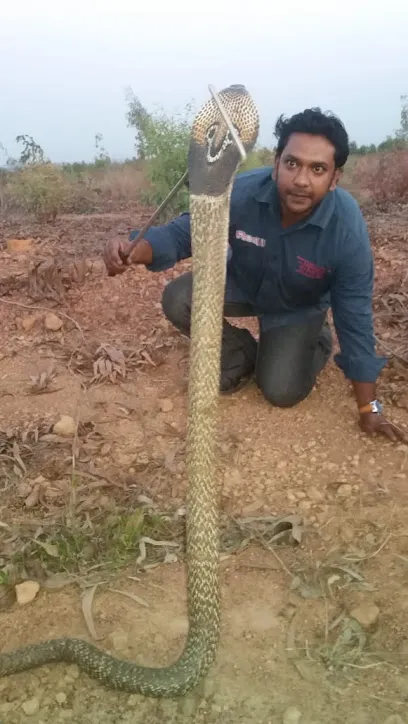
x,y
212,162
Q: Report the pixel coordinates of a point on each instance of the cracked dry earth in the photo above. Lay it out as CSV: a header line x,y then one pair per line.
x,y
311,634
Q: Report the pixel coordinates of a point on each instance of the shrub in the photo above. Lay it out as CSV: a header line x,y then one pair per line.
x,y
383,177
162,141
257,158
40,189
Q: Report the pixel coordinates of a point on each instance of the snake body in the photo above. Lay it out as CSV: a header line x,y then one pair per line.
x,y
213,160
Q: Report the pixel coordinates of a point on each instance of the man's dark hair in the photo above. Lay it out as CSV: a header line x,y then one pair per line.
x,y
314,122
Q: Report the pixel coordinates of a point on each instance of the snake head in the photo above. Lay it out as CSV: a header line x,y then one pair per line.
x,y
213,154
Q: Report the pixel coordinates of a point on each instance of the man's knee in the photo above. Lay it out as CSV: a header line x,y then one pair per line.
x,y
281,393
176,300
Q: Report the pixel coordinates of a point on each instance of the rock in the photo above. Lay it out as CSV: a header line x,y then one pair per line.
x,y
33,498
166,405
120,640
65,427
28,323
394,719
18,245
401,683
134,700
292,715
314,494
73,671
344,490
52,322
366,614
60,698
31,706
403,648
26,591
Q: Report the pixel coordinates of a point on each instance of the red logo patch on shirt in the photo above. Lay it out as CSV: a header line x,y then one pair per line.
x,y
308,269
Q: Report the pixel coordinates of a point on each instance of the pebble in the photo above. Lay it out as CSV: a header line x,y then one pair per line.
x,y
366,614
401,682
73,671
65,427
120,640
314,494
28,323
403,648
52,322
18,245
26,591
292,715
344,490
166,405
394,719
31,706
134,700
61,698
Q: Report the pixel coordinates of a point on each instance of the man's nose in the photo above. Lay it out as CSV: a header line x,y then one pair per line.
x,y
302,178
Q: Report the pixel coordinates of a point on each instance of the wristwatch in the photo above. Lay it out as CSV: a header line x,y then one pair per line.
x,y
374,406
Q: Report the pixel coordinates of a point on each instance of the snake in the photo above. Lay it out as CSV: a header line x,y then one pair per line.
x,y
213,160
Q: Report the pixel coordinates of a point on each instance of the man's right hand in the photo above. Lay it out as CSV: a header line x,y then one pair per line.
x,y
140,254
111,257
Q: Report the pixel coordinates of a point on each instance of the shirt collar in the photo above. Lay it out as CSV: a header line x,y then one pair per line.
x,y
267,193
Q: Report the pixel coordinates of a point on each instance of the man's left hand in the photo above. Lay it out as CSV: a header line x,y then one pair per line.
x,y
373,422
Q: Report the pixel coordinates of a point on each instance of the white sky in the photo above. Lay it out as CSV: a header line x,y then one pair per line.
x,y
65,65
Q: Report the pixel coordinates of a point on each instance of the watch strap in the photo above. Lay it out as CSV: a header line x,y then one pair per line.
x,y
373,406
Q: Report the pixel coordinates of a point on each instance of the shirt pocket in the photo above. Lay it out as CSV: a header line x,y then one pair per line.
x,y
308,282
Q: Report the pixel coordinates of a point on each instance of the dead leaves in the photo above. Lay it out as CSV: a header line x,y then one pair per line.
x,y
266,531
109,364
45,280
42,381
50,278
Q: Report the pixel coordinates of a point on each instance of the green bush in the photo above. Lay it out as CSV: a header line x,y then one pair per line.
x,y
162,142
258,158
40,189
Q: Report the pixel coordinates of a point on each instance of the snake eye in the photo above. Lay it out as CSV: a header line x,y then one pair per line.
x,y
211,132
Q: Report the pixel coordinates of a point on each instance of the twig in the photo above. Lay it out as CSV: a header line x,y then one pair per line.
x,y
43,309
390,351
73,492
280,561
370,555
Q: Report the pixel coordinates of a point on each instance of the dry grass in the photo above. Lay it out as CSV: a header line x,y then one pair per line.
x,y
382,178
47,190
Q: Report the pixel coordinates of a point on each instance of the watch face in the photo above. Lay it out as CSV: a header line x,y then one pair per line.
x,y
377,407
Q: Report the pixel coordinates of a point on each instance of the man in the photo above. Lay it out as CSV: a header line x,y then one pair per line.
x,y
298,245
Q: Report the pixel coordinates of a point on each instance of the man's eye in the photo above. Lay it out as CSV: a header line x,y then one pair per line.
x,y
291,163
318,169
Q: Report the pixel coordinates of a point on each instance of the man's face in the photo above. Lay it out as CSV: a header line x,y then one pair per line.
x,y
305,173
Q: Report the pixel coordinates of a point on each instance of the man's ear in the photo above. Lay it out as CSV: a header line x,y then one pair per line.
x,y
336,178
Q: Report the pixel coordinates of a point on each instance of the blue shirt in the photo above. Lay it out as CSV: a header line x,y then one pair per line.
x,y
291,274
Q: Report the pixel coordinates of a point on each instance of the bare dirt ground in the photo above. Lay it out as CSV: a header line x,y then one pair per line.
x,y
313,625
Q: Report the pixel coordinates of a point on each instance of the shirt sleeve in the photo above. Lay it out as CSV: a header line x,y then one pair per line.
x,y
170,242
351,301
